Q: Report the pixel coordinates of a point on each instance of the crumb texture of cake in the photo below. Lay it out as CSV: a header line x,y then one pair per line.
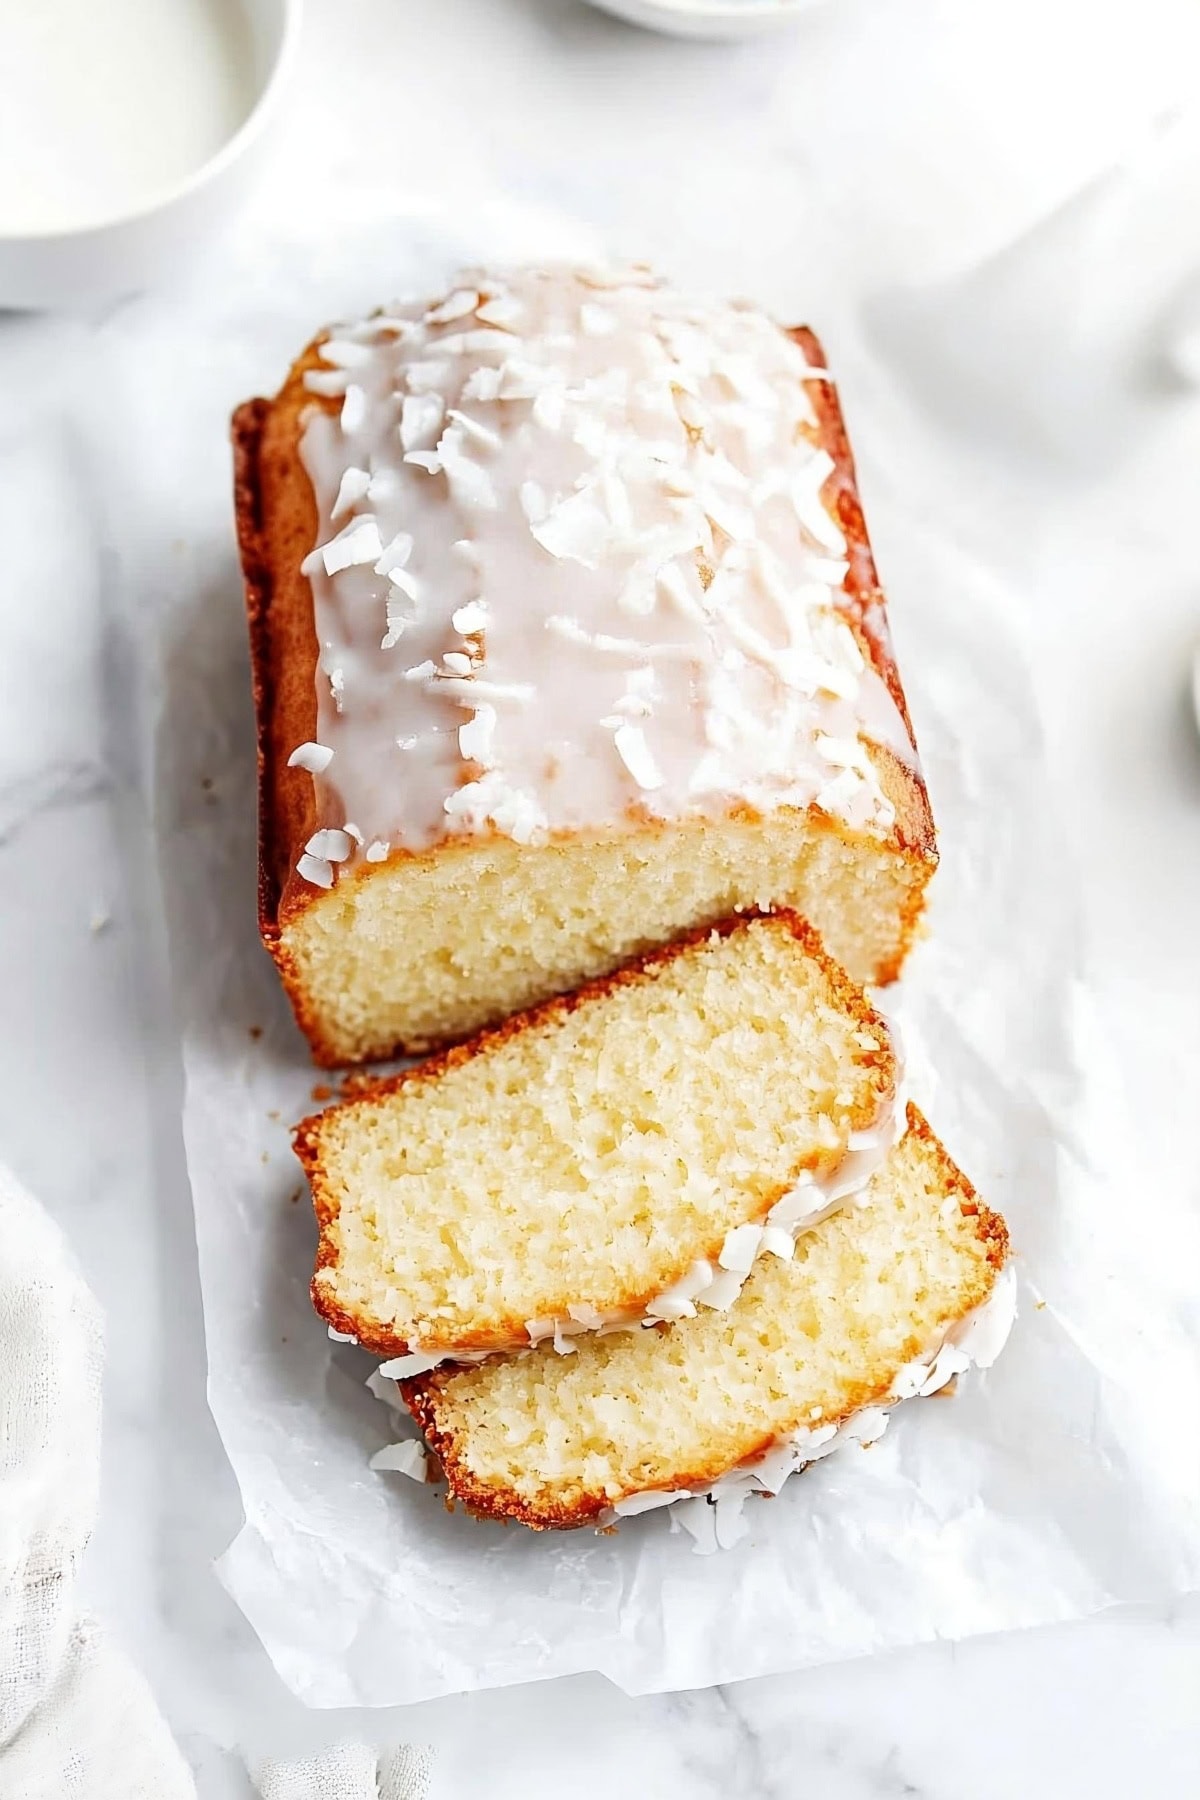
x,y
560,1441
573,1168
567,638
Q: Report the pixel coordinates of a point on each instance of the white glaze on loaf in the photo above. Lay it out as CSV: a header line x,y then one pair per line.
x,y
574,561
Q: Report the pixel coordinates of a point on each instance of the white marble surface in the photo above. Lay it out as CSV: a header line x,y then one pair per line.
x,y
701,156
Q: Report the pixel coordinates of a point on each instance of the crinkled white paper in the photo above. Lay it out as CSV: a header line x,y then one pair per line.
x,y
1058,1482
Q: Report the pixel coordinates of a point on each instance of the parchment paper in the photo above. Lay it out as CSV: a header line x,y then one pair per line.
x,y
1063,1480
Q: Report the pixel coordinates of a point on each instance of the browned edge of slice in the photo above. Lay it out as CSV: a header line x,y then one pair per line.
x,y
308,1133
421,1392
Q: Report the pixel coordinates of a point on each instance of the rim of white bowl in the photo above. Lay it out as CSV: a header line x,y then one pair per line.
x,y
727,12
229,152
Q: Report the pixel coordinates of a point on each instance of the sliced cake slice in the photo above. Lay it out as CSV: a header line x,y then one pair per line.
x,y
874,1307
625,1150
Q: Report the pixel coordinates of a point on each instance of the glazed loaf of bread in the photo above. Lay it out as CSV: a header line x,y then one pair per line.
x,y
566,639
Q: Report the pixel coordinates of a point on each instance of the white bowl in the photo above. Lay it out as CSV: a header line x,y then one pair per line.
x,y
122,254
697,19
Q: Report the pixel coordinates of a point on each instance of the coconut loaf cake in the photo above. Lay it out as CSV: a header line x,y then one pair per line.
x,y
566,638
624,1153
875,1306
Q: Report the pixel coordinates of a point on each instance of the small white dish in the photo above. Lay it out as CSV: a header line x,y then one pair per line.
x,y
109,255
707,18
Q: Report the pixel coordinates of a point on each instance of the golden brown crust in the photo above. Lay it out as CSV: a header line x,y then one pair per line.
x,y
866,606
422,1392
306,1139
865,599
276,517
277,527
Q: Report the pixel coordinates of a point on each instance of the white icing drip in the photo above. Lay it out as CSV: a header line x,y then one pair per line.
x,y
596,496
713,1514
421,1362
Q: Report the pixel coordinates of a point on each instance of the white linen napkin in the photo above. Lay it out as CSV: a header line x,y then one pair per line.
x,y
349,1772
77,1722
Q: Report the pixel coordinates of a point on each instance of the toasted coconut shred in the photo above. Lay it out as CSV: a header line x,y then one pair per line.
x,y
640,469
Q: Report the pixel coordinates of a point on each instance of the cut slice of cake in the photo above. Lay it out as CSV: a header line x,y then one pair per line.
x,y
623,1152
876,1305
566,638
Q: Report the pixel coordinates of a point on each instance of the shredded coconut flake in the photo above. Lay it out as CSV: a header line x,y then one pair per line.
x,y
740,1248
723,1289
354,485
396,553
475,737
649,1501
534,503
597,321
405,1458
632,748
354,410
470,483
456,306
472,428
575,530
330,844
400,610
493,801
316,758
421,418
775,1240
316,870
331,384
471,619
679,1301
344,353
482,384
405,583
550,408
358,542
427,377
501,310
476,688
